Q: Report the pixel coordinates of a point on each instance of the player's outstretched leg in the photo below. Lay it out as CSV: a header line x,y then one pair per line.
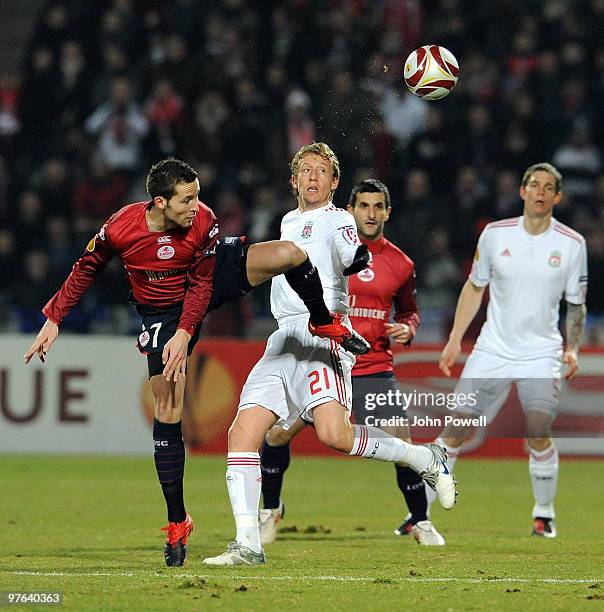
x,y
428,460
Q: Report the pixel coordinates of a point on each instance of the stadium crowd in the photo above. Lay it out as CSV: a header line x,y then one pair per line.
x,y
236,86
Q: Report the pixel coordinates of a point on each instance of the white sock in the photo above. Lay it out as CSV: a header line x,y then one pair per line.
x,y
244,484
373,443
452,454
543,469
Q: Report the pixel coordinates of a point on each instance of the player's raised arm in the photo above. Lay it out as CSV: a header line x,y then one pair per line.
x,y
95,257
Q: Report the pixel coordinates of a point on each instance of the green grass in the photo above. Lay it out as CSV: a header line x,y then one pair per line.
x,y
89,527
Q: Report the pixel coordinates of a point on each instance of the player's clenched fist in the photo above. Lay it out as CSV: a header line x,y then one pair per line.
x,y
44,340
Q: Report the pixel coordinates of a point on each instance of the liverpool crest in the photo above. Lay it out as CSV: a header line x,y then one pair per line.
x,y
554,259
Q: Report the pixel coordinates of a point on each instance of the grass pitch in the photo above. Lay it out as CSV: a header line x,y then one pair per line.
x,y
89,527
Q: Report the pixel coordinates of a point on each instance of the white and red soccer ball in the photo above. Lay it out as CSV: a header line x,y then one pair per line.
x,y
431,72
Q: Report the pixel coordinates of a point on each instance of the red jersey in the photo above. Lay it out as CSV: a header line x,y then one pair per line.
x,y
389,280
163,268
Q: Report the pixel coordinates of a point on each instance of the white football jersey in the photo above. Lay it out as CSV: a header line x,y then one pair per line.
x,y
527,277
329,236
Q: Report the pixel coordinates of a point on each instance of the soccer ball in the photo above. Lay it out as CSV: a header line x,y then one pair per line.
x,y
431,72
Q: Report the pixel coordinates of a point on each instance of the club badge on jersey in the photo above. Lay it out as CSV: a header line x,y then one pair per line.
x,y
366,275
555,258
307,230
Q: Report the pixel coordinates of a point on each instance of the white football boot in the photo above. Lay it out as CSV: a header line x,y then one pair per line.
x,y
425,533
439,478
237,554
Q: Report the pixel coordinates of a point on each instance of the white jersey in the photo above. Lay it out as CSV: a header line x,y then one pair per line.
x,y
527,277
329,236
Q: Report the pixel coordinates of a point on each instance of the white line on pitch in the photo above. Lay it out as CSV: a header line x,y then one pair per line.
x,y
310,578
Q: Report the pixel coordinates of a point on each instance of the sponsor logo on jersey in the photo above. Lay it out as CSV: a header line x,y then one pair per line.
x,y
505,253
165,252
143,339
155,275
164,239
555,257
213,232
366,275
307,230
90,246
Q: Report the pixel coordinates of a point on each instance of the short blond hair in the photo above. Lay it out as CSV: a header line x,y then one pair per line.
x,y
543,167
318,148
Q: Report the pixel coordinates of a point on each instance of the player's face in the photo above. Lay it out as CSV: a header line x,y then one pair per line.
x,y
182,207
540,195
370,213
315,181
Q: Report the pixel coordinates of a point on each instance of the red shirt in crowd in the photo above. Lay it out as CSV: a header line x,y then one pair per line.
x,y
163,268
388,281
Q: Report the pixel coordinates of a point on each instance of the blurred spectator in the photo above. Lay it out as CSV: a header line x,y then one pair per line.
x,y
120,127
38,105
579,161
33,289
55,186
431,150
72,87
99,194
9,122
419,214
300,124
8,264
60,250
29,221
165,112
507,198
404,114
439,278
54,28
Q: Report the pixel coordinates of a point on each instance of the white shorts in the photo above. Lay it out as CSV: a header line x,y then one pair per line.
x,y
490,378
298,372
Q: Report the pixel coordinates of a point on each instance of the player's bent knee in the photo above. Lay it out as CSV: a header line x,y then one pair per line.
x,y
291,253
277,436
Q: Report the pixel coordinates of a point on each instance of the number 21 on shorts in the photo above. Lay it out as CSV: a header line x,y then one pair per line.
x,y
317,380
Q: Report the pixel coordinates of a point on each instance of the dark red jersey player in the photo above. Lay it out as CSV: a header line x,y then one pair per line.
x,y
164,269
387,283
